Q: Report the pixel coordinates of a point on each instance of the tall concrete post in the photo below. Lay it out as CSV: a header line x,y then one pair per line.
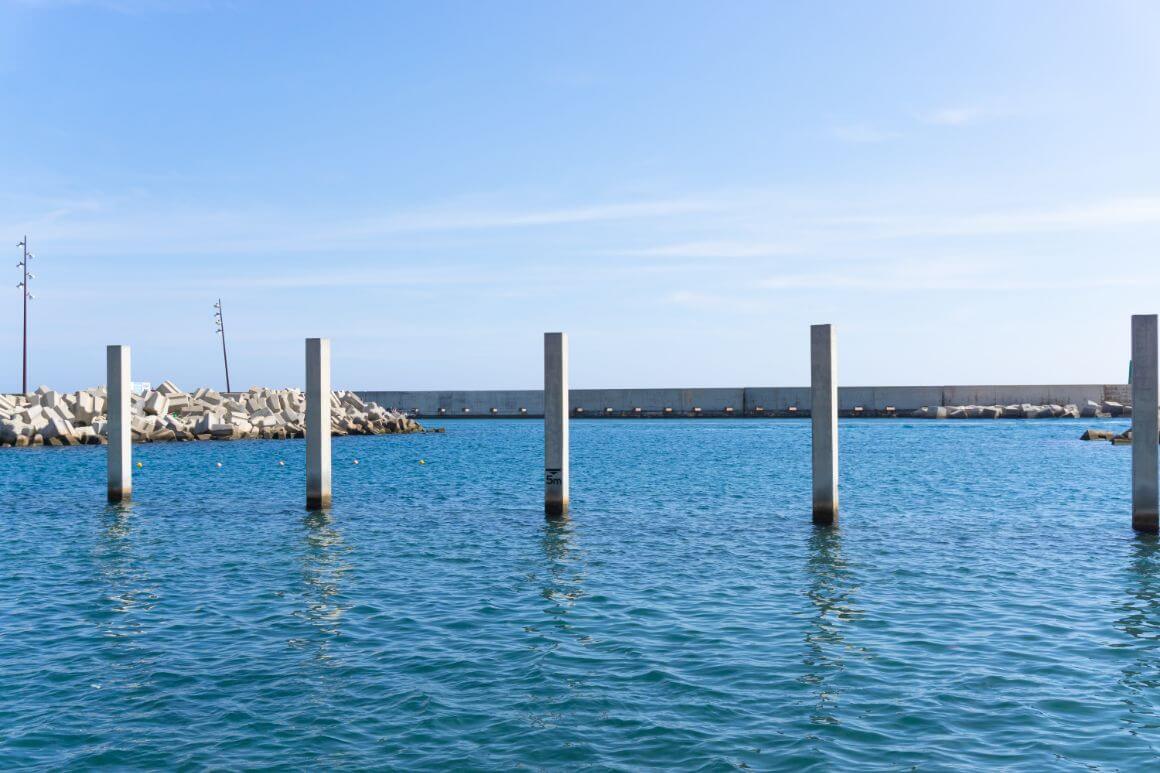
x,y
556,423
317,423
1145,488
824,422
118,429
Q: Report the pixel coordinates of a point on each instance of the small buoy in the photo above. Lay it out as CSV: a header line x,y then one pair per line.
x,y
356,461
281,463
139,465
422,461
219,464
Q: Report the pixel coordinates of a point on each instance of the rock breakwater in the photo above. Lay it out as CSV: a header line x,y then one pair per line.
x,y
46,417
1092,410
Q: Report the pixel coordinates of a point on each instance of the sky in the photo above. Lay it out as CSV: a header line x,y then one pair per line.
x,y
969,192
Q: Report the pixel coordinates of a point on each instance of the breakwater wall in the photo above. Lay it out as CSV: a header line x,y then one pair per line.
x,y
774,402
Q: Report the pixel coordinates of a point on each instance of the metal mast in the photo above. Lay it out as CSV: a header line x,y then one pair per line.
x,y
28,296
221,329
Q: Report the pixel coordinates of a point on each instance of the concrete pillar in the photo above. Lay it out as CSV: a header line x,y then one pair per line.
x,y
119,430
824,422
1145,488
556,423
317,423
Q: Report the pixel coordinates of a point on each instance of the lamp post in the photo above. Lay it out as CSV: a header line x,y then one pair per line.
x,y
221,329
27,296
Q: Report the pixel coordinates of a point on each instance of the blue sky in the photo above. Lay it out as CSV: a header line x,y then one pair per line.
x,y
970,192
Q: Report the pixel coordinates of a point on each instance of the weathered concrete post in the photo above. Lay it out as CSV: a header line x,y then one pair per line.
x,y
556,423
317,423
824,422
1145,488
118,428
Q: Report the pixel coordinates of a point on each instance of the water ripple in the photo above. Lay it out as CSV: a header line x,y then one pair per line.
x,y
983,604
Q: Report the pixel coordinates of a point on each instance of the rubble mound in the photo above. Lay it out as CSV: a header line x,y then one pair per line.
x,y
46,417
1093,409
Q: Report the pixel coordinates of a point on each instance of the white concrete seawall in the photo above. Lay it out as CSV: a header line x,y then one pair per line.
x,y
732,402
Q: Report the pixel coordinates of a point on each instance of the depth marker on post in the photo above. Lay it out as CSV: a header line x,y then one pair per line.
x,y
556,424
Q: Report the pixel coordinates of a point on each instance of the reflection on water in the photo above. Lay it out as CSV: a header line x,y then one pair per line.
x,y
551,678
564,571
127,597
323,561
124,580
1140,620
830,587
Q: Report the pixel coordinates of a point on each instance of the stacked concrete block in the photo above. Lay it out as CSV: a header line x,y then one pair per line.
x,y
46,417
156,404
1022,411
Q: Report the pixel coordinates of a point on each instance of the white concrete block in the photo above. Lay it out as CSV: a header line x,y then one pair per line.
x,y
156,404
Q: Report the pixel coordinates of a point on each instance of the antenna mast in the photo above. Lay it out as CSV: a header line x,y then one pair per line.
x,y
221,328
28,296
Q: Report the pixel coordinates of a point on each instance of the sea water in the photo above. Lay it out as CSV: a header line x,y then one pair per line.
x,y
983,603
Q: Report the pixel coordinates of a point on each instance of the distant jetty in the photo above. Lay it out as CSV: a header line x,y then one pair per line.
x,y
166,413
1045,401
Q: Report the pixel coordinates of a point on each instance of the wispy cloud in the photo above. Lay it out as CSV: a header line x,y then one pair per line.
x,y
718,301
128,227
952,116
947,273
125,6
709,249
861,133
1113,213
455,220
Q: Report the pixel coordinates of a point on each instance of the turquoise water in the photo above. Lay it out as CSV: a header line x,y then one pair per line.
x,y
983,604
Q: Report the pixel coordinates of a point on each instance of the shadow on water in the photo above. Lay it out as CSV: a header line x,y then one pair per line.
x,y
1140,621
324,564
831,587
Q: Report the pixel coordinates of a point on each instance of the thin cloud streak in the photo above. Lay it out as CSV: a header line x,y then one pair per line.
x,y
862,134
707,249
1120,212
781,224
224,232
905,283
952,116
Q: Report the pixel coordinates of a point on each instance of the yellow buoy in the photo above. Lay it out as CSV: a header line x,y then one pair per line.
x,y
422,461
138,465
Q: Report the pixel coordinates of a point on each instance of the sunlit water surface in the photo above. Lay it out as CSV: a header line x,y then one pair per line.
x,y
984,603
